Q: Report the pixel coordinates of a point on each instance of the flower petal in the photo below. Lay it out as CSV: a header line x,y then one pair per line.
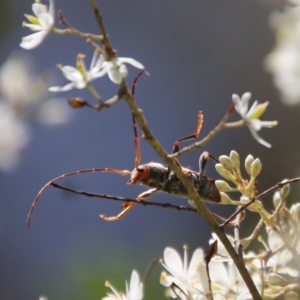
x,y
132,62
173,262
39,8
197,258
65,88
33,40
258,138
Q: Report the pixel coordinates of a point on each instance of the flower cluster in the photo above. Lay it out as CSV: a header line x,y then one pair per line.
x,y
42,23
80,76
284,60
22,99
275,269
190,281
186,280
229,168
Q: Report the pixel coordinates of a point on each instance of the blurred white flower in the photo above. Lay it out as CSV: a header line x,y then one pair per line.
x,y
133,292
14,137
251,116
22,100
284,60
41,23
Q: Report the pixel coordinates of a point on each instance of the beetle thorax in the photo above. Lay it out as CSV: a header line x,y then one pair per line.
x,y
151,174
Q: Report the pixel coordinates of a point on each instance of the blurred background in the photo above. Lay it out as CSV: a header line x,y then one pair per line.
x,y
198,54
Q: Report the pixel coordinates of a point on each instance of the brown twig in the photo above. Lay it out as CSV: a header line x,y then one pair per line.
x,y
123,199
108,48
209,136
72,31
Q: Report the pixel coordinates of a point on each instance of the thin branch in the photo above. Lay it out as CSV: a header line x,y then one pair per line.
x,y
95,45
108,48
95,93
123,199
237,240
209,136
72,31
247,241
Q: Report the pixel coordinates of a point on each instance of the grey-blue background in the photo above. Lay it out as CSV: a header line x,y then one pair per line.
x,y
198,54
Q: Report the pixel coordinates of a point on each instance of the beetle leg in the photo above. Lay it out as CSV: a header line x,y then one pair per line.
x,y
127,206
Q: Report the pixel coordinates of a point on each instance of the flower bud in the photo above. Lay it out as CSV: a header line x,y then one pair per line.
x,y
164,278
76,102
224,173
256,167
285,190
222,186
276,279
235,159
276,199
226,200
248,162
226,162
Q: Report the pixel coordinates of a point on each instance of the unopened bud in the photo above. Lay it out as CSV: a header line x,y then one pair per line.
x,y
225,199
224,173
248,162
235,159
276,279
164,278
222,186
285,190
256,167
226,162
276,199
76,102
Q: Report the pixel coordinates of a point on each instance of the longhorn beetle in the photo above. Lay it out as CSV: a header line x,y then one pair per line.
x,y
157,177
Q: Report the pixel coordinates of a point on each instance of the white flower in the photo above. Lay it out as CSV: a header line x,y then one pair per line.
x,y
284,60
22,99
190,279
80,76
133,292
41,23
14,137
116,69
281,256
251,116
